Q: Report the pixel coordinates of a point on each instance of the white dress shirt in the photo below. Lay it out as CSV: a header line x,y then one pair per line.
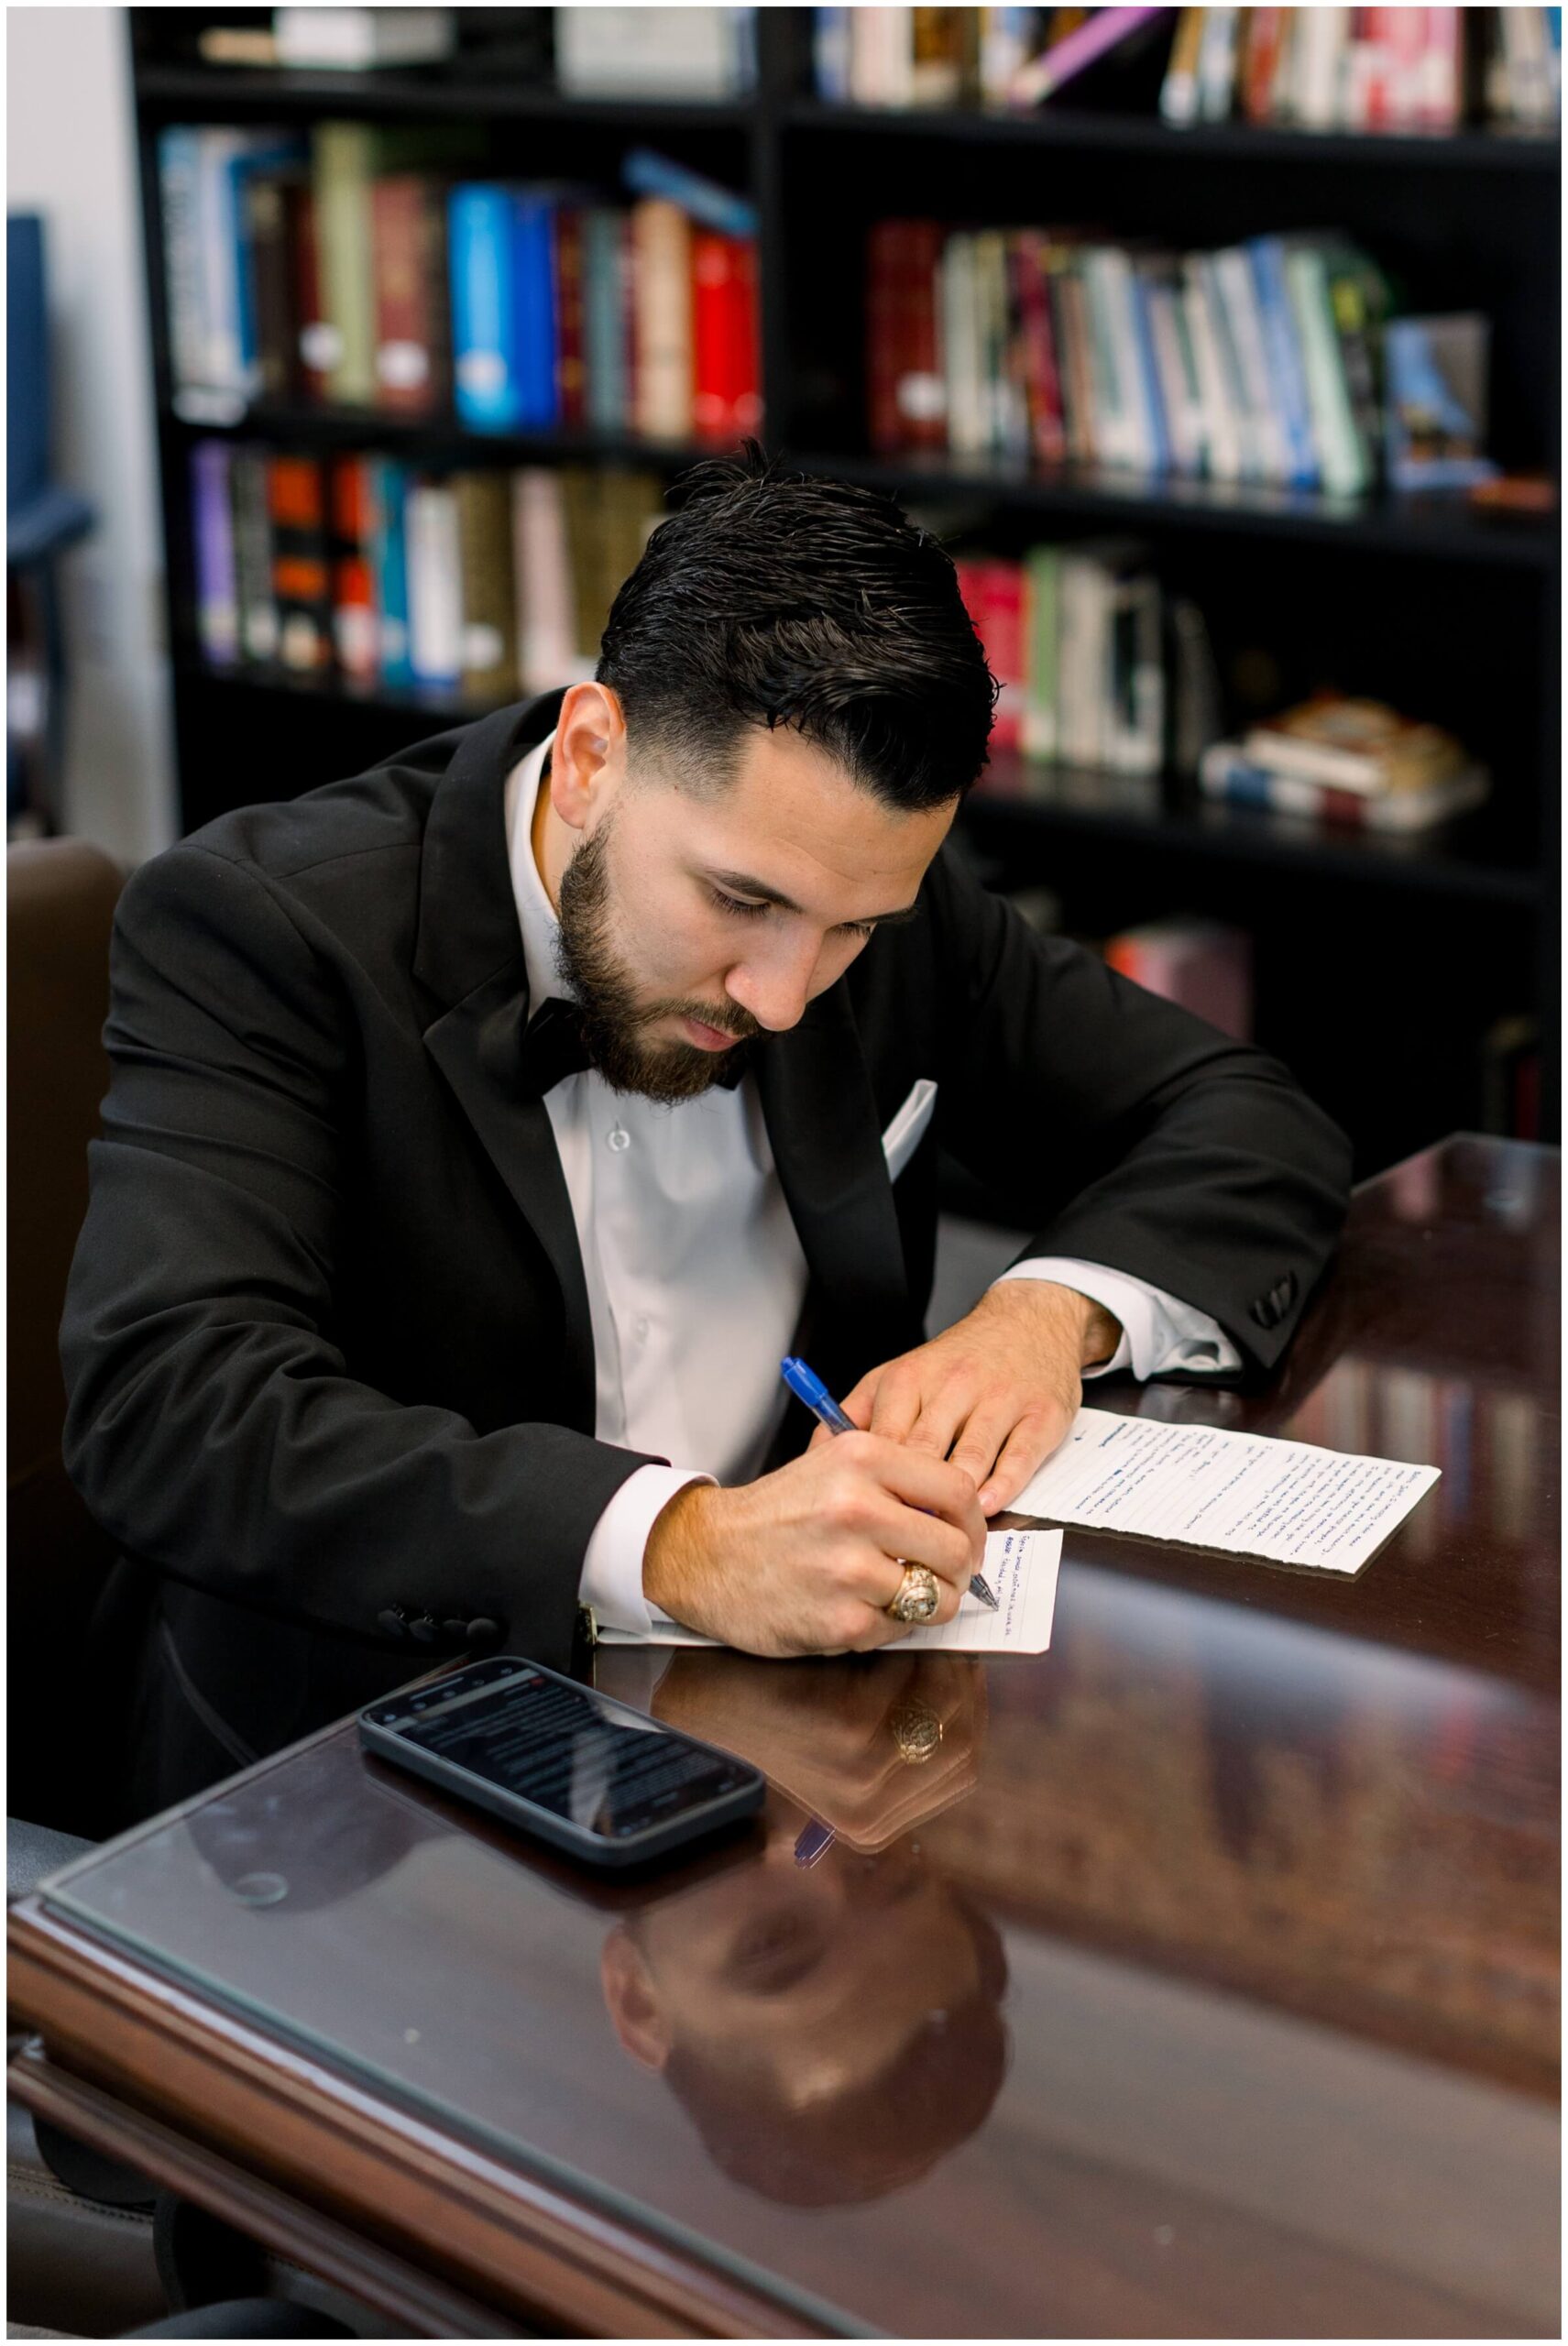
x,y
695,1276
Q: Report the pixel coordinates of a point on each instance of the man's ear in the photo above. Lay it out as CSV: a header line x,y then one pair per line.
x,y
629,1999
588,759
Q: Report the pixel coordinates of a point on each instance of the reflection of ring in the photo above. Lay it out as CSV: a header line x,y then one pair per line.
x,y
917,1730
918,1595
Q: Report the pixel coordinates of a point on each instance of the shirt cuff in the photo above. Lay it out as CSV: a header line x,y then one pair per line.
x,y
1160,1332
611,1585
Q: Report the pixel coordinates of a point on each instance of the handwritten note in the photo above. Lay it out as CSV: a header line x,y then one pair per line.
x,y
1245,1494
1021,1567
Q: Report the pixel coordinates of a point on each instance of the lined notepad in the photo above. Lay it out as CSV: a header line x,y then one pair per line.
x,y
1244,1494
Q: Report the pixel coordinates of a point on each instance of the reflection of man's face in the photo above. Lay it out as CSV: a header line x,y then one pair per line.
x,y
808,1981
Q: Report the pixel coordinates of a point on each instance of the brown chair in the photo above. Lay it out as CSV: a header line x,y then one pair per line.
x,y
61,898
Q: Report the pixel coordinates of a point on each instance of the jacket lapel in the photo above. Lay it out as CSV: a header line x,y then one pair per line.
x,y
469,954
821,1116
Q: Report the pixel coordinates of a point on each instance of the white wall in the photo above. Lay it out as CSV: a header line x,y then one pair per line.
x,y
71,157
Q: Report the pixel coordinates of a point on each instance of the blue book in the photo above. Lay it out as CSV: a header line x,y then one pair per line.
x,y
485,351
389,563
534,308
1286,370
830,54
712,206
1149,370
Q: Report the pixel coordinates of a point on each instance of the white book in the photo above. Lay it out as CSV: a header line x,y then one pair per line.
x,y
1222,439
1085,660
1217,64
653,52
546,604
1323,39
1177,385
434,583
967,423
349,39
1238,295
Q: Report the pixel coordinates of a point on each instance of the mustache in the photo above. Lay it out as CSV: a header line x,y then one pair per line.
x,y
732,1020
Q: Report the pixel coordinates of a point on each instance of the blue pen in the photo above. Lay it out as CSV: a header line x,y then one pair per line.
x,y
807,1387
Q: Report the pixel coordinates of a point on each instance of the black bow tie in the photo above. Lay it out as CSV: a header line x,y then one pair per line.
x,y
553,1049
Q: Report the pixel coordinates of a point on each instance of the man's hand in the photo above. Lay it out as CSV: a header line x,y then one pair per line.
x,y
806,1559
996,1392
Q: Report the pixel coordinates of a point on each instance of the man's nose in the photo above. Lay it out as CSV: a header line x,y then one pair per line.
x,y
776,992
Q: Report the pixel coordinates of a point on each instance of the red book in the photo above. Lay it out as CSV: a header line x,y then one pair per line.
x,y
726,398
908,395
300,578
572,374
354,627
319,341
408,242
1042,377
992,592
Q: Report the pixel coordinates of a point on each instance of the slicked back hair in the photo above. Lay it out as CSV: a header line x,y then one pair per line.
x,y
769,598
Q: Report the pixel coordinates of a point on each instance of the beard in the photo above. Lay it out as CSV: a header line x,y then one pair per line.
x,y
615,1024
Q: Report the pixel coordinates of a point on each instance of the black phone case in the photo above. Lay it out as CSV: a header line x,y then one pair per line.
x,y
728,1808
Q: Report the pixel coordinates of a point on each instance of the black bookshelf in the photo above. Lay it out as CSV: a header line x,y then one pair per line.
x,y
1382,963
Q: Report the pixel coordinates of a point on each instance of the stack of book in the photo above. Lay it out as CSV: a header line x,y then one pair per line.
x,y
1350,761
946,57
1202,964
1075,637
1365,68
656,53
1258,362
364,269
475,586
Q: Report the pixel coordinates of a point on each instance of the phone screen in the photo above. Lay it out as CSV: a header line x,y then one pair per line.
x,y
610,1771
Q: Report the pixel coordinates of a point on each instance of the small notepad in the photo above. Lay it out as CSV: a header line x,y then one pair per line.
x,y
1244,1494
1021,1567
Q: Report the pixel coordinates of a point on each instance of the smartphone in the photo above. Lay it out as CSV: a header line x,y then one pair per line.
x,y
583,1772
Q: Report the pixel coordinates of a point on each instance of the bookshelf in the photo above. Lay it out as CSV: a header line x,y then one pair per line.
x,y
1382,964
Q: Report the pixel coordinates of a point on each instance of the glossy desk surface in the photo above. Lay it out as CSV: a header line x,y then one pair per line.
x,y
1196,1978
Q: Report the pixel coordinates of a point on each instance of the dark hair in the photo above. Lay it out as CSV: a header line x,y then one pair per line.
x,y
771,598
884,2136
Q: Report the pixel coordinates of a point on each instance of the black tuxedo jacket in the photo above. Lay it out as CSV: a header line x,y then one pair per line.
x,y
328,1341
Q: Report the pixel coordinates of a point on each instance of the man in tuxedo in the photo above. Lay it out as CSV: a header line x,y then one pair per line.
x,y
482,1130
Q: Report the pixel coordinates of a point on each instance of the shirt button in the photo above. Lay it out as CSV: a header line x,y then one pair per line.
x,y
618,1138
639,1329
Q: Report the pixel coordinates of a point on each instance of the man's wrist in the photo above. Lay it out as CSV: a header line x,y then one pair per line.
x,y
668,1557
1098,1332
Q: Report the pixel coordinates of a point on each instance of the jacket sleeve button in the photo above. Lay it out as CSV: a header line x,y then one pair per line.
x,y
393,1621
483,1632
422,1627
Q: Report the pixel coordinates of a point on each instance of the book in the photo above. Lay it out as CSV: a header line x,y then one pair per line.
x,y
179,152
662,310
355,637
1042,76
488,643
252,524
412,331
704,201
1042,622
344,163
542,582
1354,744
571,390
316,339
1436,402
485,331
724,365
909,388
301,586
388,487
1228,771
217,604
434,583
992,592
274,284
655,53
352,39
606,294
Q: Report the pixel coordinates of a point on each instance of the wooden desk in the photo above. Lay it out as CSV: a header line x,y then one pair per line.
x,y
1197,1978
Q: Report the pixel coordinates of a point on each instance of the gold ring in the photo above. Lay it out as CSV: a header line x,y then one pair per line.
x,y
918,1595
917,1730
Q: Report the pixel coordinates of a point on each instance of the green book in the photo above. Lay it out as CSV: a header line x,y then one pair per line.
x,y
346,159
1042,577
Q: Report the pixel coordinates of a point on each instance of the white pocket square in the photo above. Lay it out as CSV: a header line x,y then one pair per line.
x,y
904,1136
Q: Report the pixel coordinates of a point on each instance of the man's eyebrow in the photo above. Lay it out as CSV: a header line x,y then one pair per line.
x,y
744,884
